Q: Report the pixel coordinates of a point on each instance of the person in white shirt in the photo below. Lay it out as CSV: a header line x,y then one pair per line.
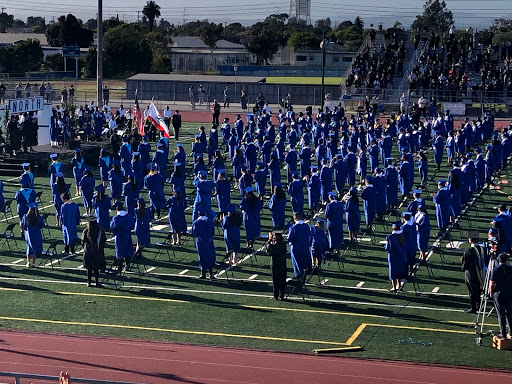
x,y
168,115
146,112
404,101
128,118
106,108
90,107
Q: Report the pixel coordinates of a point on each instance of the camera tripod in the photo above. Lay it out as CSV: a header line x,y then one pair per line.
x,y
481,314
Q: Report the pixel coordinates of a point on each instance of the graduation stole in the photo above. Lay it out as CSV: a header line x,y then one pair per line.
x,y
26,193
30,174
128,146
79,164
107,161
57,165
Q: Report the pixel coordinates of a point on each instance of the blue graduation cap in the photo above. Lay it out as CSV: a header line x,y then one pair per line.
x,y
100,188
203,173
494,231
320,220
489,147
87,168
119,206
197,136
179,145
125,139
32,205
314,167
140,200
441,182
53,156
178,189
135,154
25,165
278,184
261,165
248,189
295,174
78,150
200,156
116,162
333,194
416,191
405,214
231,208
378,170
59,174
396,225
389,159
159,145
176,163
353,189
478,150
369,179
469,155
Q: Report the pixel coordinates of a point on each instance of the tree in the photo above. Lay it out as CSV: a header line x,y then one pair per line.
x,y
359,24
304,40
233,32
36,24
111,23
18,23
53,62
152,11
160,44
68,30
88,64
323,26
23,57
91,24
126,51
436,18
164,24
261,41
6,21
210,33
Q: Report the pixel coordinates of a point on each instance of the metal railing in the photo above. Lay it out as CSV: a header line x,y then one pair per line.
x,y
366,43
18,376
404,84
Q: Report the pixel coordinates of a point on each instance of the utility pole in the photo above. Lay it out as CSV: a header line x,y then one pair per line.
x,y
138,17
99,51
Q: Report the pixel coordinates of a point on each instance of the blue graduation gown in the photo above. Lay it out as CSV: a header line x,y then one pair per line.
x,y
438,150
252,220
275,174
23,197
391,185
202,230
423,169
456,198
318,241
131,194
27,178
351,161
121,226
450,147
177,219
78,169
411,242
155,185
413,205
443,203
105,165
142,227
116,183
144,150
244,182
334,217
325,182
291,165
480,171
277,207
54,168
69,219
260,179
369,202
305,161
231,235
352,215
298,238
314,191
251,154
160,159
397,257
380,185
87,190
223,190
57,201
126,157
138,172
423,223
33,236
406,181
340,174
203,198
296,193
102,211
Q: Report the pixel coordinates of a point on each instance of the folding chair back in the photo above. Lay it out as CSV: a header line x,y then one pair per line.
x,y
8,235
7,211
50,254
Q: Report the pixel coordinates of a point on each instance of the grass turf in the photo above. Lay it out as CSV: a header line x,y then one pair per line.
x,y
170,303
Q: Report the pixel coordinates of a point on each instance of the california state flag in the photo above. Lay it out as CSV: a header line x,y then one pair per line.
x,y
156,119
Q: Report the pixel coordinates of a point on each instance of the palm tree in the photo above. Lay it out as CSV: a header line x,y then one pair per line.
x,y
151,10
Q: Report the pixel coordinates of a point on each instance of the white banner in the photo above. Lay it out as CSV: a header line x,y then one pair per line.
x,y
26,105
456,109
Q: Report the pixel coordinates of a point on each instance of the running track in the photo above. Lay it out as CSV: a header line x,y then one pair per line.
x,y
159,362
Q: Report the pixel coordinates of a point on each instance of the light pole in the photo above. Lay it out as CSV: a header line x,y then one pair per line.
x,y
322,45
99,54
235,69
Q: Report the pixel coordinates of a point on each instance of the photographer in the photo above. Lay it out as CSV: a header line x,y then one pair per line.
x,y
472,271
501,291
276,248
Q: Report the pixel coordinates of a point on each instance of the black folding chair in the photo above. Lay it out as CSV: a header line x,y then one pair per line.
x,y
252,254
45,220
334,256
299,284
39,201
114,273
7,212
167,245
8,235
224,266
50,254
139,263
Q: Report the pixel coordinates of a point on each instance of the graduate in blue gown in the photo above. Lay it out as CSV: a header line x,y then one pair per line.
x,y
177,221
274,167
305,160
318,242
144,150
58,189
101,204
455,187
131,194
217,164
121,227
438,146
138,169
125,154
116,177
480,166
325,181
417,202
397,257
203,230
87,189
277,206
369,197
334,217
296,193
423,168
55,167
298,238
223,191
314,190
154,182
31,225
422,220
203,201
105,164
351,161
237,163
231,225
450,147
70,219
143,219
352,213
78,166
251,207
410,237
443,204
27,177
291,163
24,196
339,166
251,154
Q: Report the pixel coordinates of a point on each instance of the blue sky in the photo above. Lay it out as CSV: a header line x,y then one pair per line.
x,y
476,13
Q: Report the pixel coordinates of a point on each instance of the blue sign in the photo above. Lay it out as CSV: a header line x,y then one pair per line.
x,y
29,104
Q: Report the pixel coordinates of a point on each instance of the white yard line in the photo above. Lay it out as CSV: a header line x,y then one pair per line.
x,y
360,284
252,277
435,290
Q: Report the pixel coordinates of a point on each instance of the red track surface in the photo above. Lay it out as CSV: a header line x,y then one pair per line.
x,y
159,362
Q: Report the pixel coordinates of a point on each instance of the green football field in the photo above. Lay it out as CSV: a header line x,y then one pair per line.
x,y
349,306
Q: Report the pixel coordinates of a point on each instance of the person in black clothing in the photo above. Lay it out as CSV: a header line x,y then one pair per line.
x,y
106,95
216,112
501,291
14,135
115,142
176,124
472,272
276,248
93,241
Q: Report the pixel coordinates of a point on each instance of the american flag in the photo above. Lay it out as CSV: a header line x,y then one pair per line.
x,y
138,116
